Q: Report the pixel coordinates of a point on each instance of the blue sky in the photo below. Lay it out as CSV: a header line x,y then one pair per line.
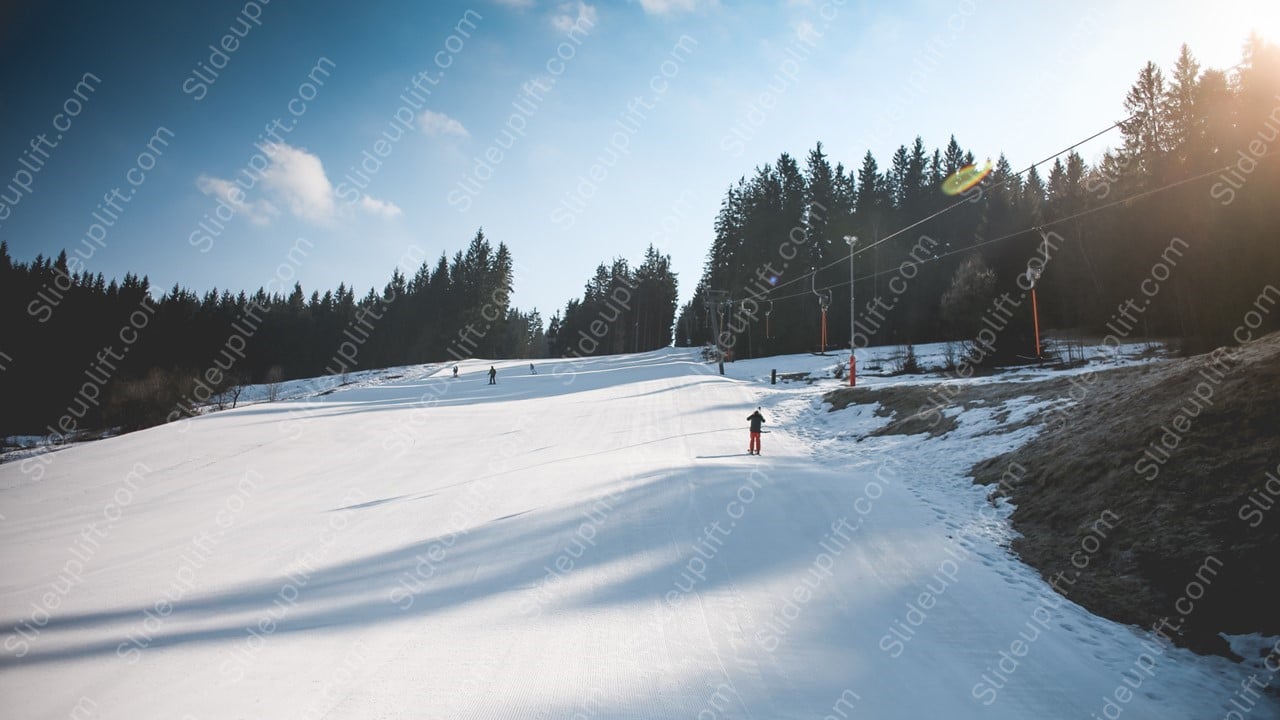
x,y
572,131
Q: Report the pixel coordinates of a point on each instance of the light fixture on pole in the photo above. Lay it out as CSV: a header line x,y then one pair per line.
x,y
853,362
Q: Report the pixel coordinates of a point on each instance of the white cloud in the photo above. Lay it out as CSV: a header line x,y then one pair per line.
x,y
379,207
434,123
583,19
671,7
296,179
259,212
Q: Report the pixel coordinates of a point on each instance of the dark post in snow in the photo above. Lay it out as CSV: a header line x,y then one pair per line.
x,y
853,361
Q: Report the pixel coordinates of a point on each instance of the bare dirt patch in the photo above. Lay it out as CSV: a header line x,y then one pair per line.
x,y
922,408
1179,456
1174,454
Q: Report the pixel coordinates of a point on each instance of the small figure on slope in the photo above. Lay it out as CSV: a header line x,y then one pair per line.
x,y
753,447
532,370
493,376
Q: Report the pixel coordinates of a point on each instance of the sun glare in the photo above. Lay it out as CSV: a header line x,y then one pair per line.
x,y
1262,17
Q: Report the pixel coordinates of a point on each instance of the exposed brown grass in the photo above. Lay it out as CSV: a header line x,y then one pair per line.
x,y
1164,521
1172,517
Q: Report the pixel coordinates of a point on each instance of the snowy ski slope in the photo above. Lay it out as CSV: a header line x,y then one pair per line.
x,y
588,542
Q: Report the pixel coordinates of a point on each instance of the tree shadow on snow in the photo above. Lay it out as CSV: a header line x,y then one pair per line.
x,y
657,516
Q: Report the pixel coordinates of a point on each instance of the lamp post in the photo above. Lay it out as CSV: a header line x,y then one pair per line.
x,y
853,363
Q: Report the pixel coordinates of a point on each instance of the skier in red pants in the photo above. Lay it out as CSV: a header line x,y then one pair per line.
x,y
753,448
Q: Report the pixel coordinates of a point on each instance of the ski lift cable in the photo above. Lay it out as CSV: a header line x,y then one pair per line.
x,y
1040,226
958,203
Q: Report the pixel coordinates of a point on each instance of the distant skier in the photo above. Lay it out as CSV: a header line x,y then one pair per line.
x,y
753,448
493,376
455,371
532,370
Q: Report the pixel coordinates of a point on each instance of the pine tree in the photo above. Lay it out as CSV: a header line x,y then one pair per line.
x,y
1146,130
896,178
952,157
915,182
1183,116
820,203
656,297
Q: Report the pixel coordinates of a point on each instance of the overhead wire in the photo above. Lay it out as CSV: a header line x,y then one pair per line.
x,y
957,203
1038,226
853,253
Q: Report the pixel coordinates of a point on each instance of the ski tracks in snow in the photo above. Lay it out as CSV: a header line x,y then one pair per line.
x,y
591,542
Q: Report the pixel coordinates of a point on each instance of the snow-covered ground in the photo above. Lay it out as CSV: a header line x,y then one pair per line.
x,y
590,542
881,365
21,447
